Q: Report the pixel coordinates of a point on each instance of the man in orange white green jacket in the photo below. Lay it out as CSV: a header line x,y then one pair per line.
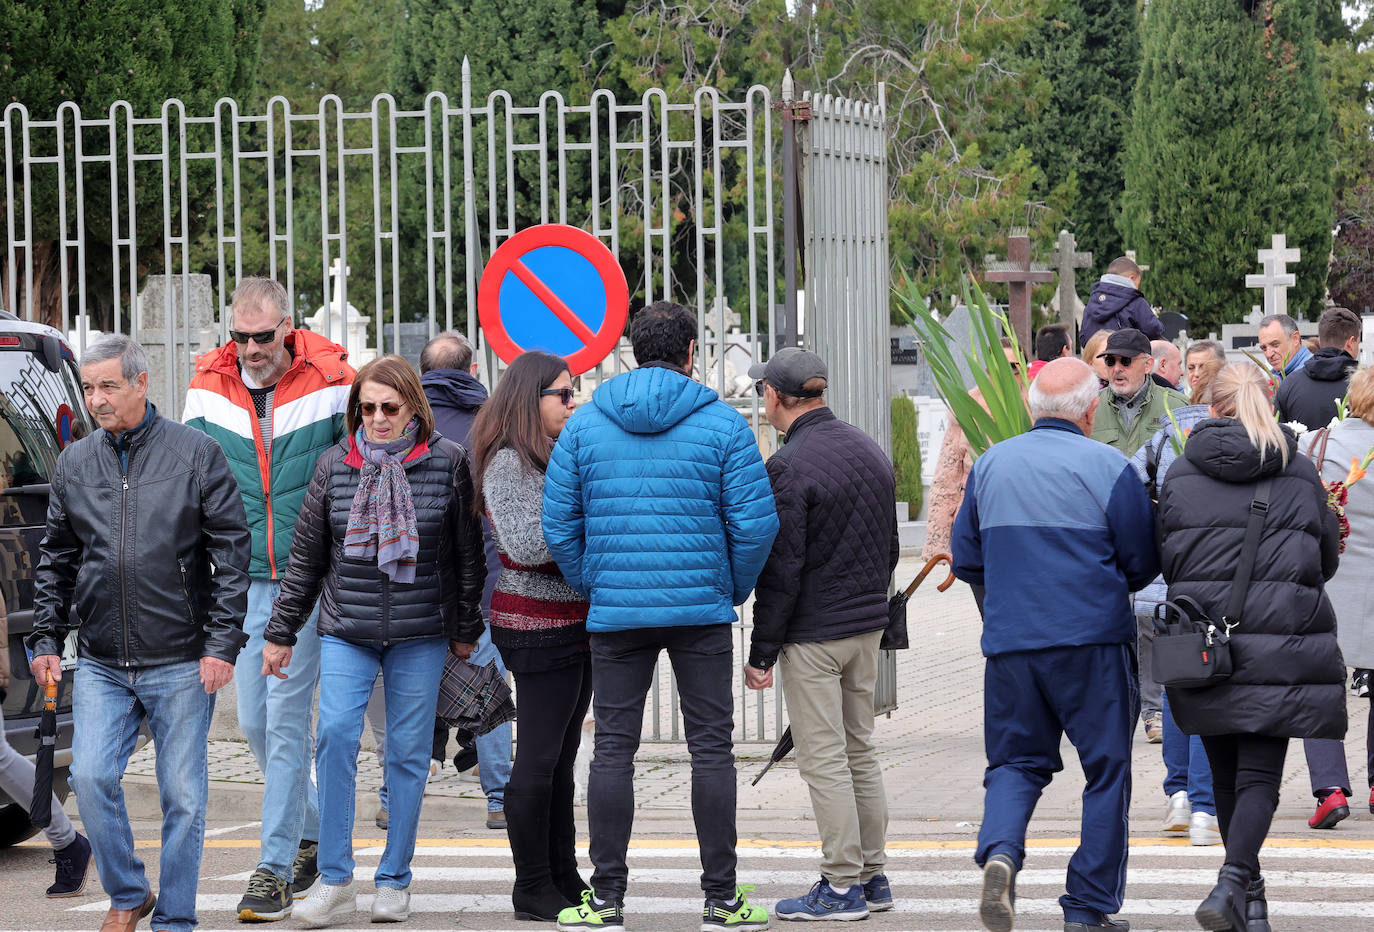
x,y
274,398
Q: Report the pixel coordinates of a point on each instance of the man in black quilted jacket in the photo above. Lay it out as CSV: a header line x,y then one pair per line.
x,y
820,612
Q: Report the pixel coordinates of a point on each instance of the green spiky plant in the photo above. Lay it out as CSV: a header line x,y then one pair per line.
x,y
1006,414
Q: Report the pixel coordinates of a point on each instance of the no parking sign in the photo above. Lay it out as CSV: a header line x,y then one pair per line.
x,y
554,288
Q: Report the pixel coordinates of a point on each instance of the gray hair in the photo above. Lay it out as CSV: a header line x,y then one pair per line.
x,y
1162,348
256,291
449,350
1289,325
1072,404
133,362
1207,346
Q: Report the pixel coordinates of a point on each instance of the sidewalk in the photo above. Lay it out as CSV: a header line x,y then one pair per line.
x,y
932,756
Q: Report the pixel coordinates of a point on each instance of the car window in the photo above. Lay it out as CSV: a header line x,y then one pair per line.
x,y
37,416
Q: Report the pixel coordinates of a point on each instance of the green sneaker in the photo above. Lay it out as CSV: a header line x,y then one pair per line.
x,y
592,914
739,916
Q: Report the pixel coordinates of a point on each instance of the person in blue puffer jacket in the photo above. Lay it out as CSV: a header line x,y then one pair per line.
x,y
658,509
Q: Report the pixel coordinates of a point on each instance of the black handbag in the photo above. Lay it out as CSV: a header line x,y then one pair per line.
x,y
1189,649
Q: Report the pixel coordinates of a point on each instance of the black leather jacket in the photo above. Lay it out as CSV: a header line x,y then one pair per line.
x,y
156,559
360,603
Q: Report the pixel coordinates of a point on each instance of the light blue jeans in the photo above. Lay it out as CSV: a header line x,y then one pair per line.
x,y
410,679
493,748
275,716
109,705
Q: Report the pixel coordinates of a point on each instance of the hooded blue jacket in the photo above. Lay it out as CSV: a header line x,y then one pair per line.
x,y
657,505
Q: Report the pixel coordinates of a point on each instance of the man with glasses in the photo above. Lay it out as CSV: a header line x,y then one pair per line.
x,y
1132,404
274,398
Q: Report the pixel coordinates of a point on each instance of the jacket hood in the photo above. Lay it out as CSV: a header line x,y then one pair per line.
x,y
650,400
306,347
1107,299
453,388
1221,449
1329,364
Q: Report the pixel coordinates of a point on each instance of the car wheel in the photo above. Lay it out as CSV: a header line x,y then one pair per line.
x,y
14,818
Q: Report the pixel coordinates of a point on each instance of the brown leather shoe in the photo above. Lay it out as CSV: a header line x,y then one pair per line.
x,y
124,920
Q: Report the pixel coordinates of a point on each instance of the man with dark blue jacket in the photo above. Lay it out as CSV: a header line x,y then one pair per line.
x,y
448,374
657,507
1060,530
1117,304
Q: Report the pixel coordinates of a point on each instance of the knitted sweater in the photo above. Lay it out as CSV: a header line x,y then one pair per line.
x,y
532,605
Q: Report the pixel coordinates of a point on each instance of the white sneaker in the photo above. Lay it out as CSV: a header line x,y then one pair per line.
x,y
391,905
325,904
1203,829
1176,815
436,771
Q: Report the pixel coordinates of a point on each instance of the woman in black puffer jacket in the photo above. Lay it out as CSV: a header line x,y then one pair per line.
x,y
1288,679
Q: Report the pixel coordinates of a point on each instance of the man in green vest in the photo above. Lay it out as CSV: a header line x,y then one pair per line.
x,y
1130,407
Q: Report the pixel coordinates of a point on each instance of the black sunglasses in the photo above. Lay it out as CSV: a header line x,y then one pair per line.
x,y
261,337
1111,360
758,387
389,408
565,395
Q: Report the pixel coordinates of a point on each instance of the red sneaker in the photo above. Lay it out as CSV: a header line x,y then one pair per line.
x,y
1371,799
1330,810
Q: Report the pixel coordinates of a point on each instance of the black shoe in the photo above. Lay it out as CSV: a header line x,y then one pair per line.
x,y
1256,908
72,863
571,886
304,870
537,902
1224,908
465,760
1106,923
267,900
997,908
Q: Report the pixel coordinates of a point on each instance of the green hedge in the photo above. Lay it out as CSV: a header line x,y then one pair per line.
x,y
906,454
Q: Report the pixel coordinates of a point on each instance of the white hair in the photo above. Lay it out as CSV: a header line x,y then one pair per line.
x,y
1070,405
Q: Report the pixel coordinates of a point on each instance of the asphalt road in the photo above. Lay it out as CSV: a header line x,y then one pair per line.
x,y
463,875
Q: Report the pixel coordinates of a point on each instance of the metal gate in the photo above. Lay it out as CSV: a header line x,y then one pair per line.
x,y
685,194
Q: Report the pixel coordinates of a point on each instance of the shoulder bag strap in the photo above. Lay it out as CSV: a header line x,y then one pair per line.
x,y
1316,450
1259,507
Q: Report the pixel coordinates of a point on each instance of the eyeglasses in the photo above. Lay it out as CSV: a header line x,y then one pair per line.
x,y
758,387
261,337
389,408
1111,359
565,395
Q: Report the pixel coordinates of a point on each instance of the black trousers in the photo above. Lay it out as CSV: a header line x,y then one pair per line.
x,y
1246,770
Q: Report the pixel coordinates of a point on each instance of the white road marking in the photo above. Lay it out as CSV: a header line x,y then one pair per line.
x,y
232,828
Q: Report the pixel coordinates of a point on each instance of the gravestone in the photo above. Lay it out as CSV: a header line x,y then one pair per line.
x,y
1174,324
193,311
414,336
1067,260
1275,279
1020,274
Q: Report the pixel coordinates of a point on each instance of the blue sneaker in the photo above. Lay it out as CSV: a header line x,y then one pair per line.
x,y
878,894
824,902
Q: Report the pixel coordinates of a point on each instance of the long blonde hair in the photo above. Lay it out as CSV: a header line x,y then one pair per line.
x,y
1241,391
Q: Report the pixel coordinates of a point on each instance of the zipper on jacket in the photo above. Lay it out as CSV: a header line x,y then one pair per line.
x,y
123,533
186,592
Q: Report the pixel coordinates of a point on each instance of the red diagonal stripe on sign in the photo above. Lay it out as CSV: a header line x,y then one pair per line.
x,y
554,303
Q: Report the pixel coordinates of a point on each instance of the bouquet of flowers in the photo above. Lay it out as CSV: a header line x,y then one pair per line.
x,y
1338,492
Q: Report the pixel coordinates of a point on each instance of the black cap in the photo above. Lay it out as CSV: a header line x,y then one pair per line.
x,y
1127,342
790,369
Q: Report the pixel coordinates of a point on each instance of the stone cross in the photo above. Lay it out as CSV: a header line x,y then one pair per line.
x,y
1130,254
1019,274
1276,279
1066,260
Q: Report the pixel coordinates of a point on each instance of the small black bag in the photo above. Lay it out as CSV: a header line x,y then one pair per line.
x,y
1189,649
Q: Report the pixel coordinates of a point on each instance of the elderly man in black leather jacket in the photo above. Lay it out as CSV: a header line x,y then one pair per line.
x,y
147,537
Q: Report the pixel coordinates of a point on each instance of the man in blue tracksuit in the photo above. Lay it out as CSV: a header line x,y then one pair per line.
x,y
1060,530
658,508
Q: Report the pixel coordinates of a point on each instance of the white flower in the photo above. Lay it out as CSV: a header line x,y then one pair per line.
x,y
1335,421
1296,427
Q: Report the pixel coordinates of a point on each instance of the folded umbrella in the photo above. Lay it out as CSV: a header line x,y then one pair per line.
x,y
40,813
473,699
894,638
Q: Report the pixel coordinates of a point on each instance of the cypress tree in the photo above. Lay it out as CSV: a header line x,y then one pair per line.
x,y
1228,145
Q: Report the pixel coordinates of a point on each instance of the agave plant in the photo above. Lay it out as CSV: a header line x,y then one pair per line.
x,y
1005,415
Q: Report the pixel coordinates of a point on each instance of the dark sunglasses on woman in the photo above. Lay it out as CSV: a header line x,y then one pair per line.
x,y
565,395
389,408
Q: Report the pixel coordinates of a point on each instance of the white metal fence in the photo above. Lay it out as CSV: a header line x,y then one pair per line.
x,y
415,201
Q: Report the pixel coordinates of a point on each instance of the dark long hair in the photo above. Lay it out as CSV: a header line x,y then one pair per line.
x,y
510,418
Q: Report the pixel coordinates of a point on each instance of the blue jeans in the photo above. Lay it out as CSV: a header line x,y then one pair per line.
x,y
1185,764
493,748
109,706
1031,699
410,678
275,716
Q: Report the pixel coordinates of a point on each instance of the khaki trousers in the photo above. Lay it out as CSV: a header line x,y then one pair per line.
x,y
828,686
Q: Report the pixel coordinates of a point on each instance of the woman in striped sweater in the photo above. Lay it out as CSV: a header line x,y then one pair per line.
x,y
539,623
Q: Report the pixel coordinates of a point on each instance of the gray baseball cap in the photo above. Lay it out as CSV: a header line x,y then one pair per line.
x,y
790,369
